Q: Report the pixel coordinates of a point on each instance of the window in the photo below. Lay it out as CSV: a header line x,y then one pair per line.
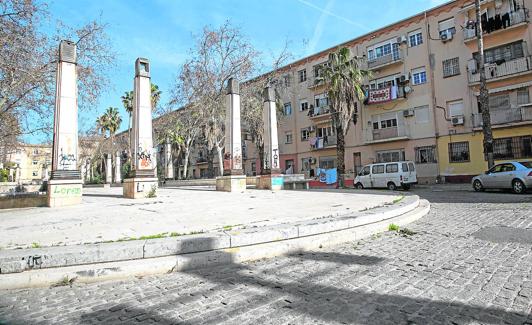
x,y
377,169
286,80
459,152
425,155
327,162
415,38
392,168
503,53
384,82
390,155
384,49
321,100
512,148
523,96
305,134
305,164
35,173
302,75
446,27
289,166
303,106
419,76
364,171
456,108
324,132
35,151
35,162
451,67
390,123
287,109
422,114
288,137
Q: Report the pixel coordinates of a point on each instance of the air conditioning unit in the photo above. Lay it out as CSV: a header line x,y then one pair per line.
x,y
404,78
457,120
446,35
408,113
401,39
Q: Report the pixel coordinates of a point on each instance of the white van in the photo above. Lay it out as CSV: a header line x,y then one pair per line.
x,y
387,175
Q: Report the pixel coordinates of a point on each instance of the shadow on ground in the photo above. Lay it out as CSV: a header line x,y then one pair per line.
x,y
306,298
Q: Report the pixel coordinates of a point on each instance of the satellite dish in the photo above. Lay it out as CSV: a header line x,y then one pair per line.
x,y
408,89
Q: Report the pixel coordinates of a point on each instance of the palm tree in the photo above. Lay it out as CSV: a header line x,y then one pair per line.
x,y
127,101
155,96
343,78
109,121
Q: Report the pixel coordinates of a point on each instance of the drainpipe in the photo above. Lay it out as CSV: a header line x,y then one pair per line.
x,y
433,95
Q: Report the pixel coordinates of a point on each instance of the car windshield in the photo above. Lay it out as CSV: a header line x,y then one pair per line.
x,y
527,164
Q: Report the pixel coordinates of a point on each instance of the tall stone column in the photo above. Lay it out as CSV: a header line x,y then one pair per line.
x,y
169,162
108,168
143,179
233,178
65,185
271,177
118,176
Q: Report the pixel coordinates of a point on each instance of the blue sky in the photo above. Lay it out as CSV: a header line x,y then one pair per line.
x,y
162,31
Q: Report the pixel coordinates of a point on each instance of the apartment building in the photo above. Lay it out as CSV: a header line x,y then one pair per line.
x,y
421,100
31,160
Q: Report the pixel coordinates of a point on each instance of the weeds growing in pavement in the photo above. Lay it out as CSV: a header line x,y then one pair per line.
x,y
393,227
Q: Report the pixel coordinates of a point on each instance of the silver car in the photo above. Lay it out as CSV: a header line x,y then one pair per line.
x,y
510,175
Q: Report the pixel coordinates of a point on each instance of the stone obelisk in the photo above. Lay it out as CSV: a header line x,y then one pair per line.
x,y
169,164
118,176
233,178
65,184
142,181
271,177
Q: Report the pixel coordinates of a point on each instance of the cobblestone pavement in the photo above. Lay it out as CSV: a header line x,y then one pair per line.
x,y
442,274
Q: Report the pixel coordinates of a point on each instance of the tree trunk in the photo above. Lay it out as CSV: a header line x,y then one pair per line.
x,y
219,149
185,163
258,169
340,155
210,163
484,97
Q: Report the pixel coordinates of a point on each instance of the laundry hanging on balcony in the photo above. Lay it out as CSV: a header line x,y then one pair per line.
x,y
382,95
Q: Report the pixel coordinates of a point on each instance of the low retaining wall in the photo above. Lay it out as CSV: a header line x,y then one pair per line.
x,y
190,182
23,200
87,263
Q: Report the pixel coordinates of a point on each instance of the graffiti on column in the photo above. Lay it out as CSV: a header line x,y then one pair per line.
x,y
66,160
275,159
144,156
227,161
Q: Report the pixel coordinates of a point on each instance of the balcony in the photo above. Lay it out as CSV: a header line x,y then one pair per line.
x,y
515,18
505,116
318,143
319,113
389,134
395,57
386,94
505,69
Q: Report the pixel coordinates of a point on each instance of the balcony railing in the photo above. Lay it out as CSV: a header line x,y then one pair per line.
x,y
323,142
386,94
394,57
509,115
318,111
388,133
507,68
514,18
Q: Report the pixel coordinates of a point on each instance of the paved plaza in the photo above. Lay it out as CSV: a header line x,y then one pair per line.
x,y
105,215
442,274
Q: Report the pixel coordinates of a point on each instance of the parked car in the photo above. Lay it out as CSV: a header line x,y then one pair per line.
x,y
387,175
510,175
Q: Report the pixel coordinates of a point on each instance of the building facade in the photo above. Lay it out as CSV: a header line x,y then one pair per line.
x,y
421,100
32,160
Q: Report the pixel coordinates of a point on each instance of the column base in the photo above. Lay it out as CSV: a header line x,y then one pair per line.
x,y
272,182
140,188
64,192
231,183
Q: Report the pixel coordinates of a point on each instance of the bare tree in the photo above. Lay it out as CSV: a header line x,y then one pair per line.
x,y
28,64
218,54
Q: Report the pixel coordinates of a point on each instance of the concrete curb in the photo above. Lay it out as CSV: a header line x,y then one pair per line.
x,y
98,262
